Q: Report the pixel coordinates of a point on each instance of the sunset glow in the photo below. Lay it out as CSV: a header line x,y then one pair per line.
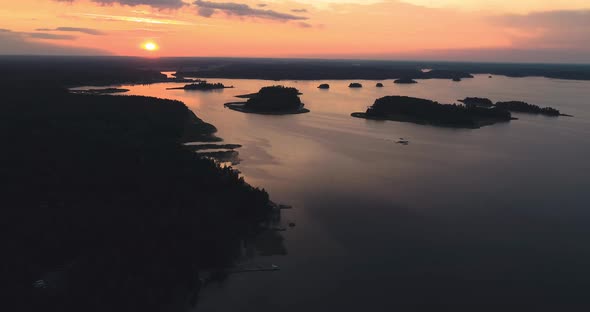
x,y
387,29
150,46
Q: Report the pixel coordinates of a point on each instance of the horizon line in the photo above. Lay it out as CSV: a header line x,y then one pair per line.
x,y
293,58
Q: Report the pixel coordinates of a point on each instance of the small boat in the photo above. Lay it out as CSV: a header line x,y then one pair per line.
x,y
403,141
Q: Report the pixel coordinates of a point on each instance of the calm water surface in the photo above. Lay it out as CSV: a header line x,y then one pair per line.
x,y
491,218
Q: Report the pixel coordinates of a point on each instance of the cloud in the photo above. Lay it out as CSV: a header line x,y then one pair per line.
x,y
208,8
36,35
575,18
132,19
262,5
20,43
168,4
88,31
161,4
206,12
304,25
519,55
148,31
550,29
498,55
299,10
39,35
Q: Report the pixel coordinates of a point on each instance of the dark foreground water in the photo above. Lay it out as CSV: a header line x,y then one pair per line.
x,y
493,219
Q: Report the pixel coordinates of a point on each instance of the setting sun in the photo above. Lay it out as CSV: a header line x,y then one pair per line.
x,y
150,46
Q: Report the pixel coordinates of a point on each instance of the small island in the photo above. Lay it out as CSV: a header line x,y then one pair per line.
x,y
483,102
405,81
422,111
379,85
324,86
523,107
274,100
202,86
100,91
456,79
355,85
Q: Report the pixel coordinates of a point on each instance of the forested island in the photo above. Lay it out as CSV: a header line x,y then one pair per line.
x,y
104,208
422,111
379,85
324,86
355,85
513,106
484,102
273,100
202,86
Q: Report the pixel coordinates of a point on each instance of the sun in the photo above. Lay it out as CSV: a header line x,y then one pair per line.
x,y
150,46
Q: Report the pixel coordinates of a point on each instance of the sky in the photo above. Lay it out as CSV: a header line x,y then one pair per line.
x,y
464,30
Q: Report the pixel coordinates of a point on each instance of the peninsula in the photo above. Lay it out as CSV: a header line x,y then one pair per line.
x,y
109,196
273,100
422,111
513,106
523,107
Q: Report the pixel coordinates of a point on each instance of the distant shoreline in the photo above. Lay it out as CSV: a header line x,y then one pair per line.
x,y
81,71
313,69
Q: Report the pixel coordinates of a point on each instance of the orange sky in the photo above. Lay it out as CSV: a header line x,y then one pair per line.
x,y
304,28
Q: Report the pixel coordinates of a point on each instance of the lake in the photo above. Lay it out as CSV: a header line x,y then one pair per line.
x,y
485,219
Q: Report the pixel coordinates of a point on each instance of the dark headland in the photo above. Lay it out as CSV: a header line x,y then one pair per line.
x,y
104,208
273,100
422,111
